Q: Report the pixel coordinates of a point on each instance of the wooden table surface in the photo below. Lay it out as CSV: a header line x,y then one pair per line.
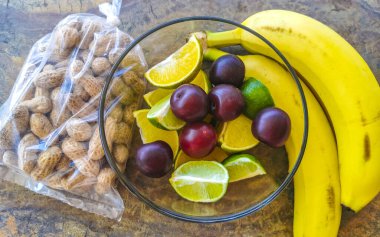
x,y
24,213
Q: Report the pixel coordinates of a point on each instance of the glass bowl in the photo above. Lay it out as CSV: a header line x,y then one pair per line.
x,y
242,198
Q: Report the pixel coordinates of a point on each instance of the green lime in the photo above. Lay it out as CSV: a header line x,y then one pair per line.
x,y
162,116
150,133
200,181
242,166
201,80
152,97
179,68
256,96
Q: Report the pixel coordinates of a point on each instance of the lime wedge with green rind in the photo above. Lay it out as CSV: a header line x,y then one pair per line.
x,y
243,166
162,116
200,181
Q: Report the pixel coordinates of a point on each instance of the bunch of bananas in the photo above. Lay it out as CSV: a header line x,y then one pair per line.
x,y
342,169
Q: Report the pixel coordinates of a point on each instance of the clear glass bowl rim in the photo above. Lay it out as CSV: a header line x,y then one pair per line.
x,y
129,185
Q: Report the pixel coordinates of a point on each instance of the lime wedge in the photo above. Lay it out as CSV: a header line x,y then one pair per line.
x,y
216,155
201,80
243,166
256,96
162,116
152,97
236,135
150,133
200,181
179,68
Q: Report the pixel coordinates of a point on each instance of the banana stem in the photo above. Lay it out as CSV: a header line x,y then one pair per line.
x,y
223,38
212,54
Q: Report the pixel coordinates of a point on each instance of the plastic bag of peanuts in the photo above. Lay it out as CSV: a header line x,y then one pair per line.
x,y
49,136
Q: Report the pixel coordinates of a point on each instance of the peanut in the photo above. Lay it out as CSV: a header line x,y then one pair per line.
x,y
58,55
41,92
95,151
73,149
75,103
75,68
54,180
115,54
130,78
89,111
58,115
10,159
121,153
121,167
56,95
123,133
117,113
74,24
20,118
127,97
48,67
106,179
86,56
91,85
62,64
102,44
40,125
46,163
81,92
39,104
79,129
118,87
100,65
89,168
128,113
8,136
73,180
134,62
29,93
17,124
87,33
50,79
66,37
27,152
63,164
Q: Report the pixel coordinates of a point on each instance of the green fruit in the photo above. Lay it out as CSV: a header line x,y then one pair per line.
x,y
243,166
256,96
162,116
200,181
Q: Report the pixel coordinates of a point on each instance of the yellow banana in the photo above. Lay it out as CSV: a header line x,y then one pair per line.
x,y
317,208
342,81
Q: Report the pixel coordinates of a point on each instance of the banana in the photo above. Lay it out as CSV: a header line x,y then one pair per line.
x,y
317,208
342,81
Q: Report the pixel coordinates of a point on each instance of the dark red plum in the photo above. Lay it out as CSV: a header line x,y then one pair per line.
x,y
227,102
227,69
154,159
198,139
272,127
190,103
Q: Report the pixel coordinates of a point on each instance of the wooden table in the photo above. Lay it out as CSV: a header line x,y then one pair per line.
x,y
24,213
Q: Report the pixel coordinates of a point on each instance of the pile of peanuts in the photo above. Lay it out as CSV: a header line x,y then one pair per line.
x,y
52,133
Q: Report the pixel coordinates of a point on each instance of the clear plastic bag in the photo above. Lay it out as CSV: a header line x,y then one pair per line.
x,y
49,138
